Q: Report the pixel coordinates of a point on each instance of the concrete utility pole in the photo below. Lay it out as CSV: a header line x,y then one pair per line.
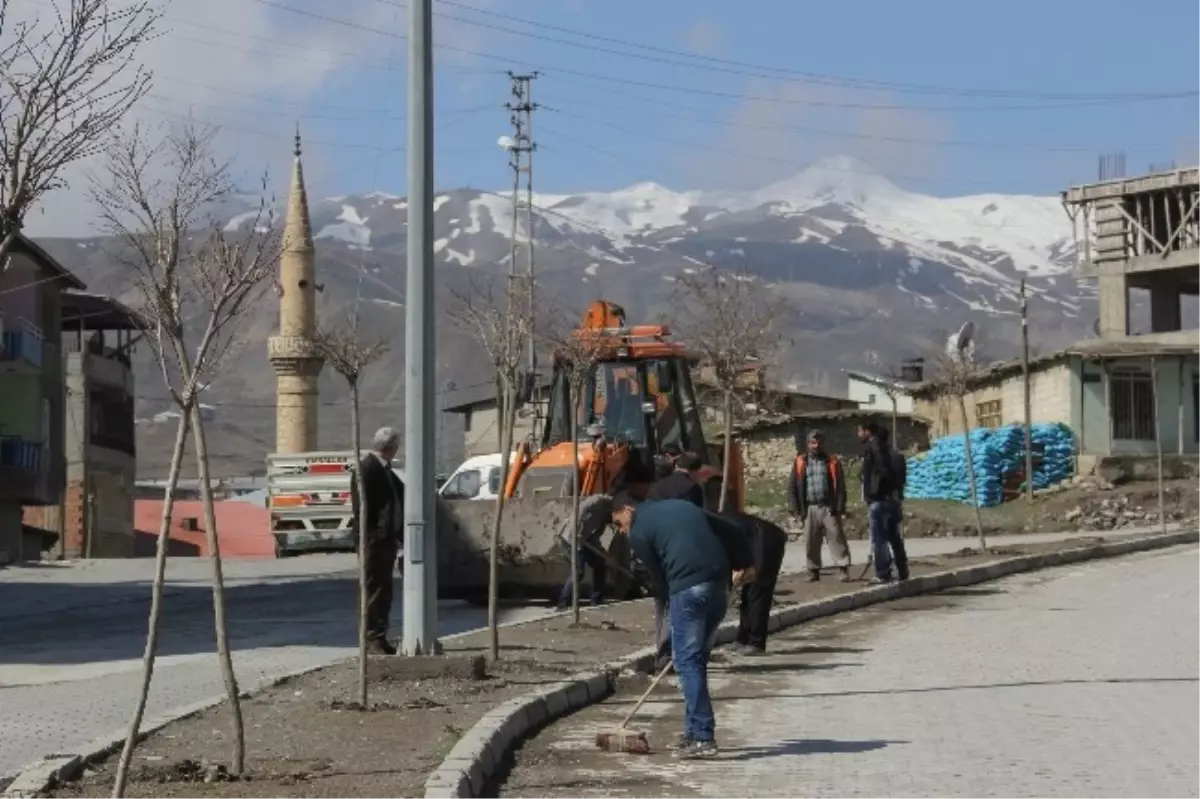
x,y
420,553
521,161
1028,404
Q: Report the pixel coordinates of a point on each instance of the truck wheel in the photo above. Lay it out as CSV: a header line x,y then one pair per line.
x,y
280,552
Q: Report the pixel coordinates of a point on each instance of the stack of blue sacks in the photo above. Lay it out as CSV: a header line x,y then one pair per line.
x,y
941,473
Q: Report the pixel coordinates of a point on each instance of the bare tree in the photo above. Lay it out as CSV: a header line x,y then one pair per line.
x,y
890,386
576,353
954,373
350,355
1162,503
731,321
499,322
69,75
193,276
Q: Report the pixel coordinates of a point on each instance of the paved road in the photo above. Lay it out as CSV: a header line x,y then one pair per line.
x,y
1068,682
71,640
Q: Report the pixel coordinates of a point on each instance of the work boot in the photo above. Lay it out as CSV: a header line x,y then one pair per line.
x,y
845,570
680,743
597,599
696,750
814,576
380,646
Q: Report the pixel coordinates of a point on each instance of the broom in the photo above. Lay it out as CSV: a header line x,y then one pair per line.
x,y
624,739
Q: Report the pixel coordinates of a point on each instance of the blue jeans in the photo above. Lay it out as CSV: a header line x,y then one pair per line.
x,y
696,613
883,525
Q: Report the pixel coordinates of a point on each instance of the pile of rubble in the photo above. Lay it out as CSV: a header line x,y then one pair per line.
x,y
1086,482
1113,513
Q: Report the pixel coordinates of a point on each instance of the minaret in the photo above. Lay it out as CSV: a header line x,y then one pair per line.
x,y
292,352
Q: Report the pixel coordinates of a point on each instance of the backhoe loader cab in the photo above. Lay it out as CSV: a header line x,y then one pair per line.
x,y
637,403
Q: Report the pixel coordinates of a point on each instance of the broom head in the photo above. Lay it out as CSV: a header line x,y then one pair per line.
x,y
627,741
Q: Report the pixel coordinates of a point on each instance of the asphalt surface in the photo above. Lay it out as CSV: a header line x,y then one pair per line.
x,y
1078,681
71,640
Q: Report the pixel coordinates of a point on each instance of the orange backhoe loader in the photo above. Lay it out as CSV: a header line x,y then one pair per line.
x,y
637,402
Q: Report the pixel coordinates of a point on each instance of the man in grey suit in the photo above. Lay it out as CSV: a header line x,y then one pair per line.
x,y
385,529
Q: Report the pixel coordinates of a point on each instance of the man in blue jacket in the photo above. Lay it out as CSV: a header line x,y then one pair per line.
x,y
688,555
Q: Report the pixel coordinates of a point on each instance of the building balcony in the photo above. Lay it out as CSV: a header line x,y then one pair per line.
x,y
25,471
98,363
23,343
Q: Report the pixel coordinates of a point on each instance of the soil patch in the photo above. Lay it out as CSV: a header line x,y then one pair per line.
x,y
307,737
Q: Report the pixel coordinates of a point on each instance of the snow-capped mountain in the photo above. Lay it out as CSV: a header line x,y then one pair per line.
x,y
872,272
837,224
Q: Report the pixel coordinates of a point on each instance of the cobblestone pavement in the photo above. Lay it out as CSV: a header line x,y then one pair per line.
x,y
1079,681
70,665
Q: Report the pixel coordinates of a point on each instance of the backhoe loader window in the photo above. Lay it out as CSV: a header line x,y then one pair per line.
x,y
616,402
663,389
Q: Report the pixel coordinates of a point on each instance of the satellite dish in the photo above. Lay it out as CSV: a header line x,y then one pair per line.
x,y
506,142
961,345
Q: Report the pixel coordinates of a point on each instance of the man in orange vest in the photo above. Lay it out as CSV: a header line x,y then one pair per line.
x,y
817,497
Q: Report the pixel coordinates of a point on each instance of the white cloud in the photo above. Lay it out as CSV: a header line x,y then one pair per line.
x,y
777,129
253,70
704,37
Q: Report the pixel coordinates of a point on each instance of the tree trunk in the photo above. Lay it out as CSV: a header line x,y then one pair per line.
x,y
575,506
156,595
6,245
220,622
1162,502
506,399
361,489
962,407
728,452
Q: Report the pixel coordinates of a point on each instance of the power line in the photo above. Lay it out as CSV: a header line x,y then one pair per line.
x,y
731,95
802,75
822,132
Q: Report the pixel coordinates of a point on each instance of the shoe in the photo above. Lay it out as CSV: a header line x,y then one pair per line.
x,y
880,580
814,577
697,750
679,744
597,599
380,646
845,570
751,651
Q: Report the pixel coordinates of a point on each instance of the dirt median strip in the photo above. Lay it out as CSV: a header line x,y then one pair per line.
x,y
450,735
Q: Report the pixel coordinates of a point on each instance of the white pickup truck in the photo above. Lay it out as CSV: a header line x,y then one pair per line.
x,y
308,496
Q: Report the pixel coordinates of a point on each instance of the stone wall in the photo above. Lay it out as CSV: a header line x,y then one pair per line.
x,y
771,451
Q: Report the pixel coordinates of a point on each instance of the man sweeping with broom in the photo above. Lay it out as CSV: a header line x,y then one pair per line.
x,y
691,560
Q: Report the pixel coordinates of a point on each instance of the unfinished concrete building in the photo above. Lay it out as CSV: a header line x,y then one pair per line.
x,y
1139,233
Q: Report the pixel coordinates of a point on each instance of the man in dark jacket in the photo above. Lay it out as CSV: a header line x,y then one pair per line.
x,y
817,497
385,527
679,483
879,486
691,560
894,536
595,513
768,543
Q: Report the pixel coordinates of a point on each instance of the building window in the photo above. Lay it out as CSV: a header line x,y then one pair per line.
x,y
1195,408
871,399
467,422
1132,402
989,414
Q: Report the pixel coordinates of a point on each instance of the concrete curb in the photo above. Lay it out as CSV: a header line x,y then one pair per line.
x,y
475,759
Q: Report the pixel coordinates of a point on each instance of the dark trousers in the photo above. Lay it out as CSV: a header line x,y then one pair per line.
x,y
593,560
887,544
662,632
381,565
756,601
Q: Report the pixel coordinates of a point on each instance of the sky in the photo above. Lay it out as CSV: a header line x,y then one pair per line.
x,y
941,96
